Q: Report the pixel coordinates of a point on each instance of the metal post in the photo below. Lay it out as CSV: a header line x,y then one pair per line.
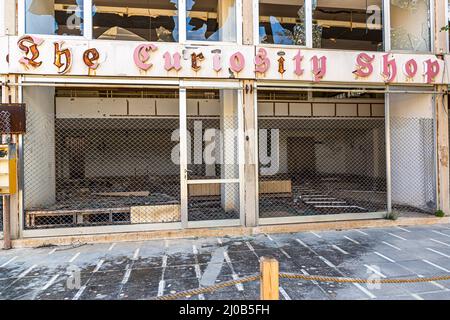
x,y
387,124
6,224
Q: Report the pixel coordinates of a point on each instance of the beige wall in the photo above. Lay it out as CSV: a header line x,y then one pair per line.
x,y
39,147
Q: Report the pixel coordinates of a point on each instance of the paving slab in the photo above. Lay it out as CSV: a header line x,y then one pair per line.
x,y
146,269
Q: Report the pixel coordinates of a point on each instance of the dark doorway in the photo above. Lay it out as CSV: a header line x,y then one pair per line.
x,y
76,147
301,156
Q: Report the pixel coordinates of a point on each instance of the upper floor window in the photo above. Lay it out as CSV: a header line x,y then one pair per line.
x,y
134,20
138,20
347,24
410,25
330,24
211,20
54,17
282,22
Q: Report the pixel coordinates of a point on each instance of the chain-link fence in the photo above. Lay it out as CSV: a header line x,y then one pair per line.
x,y
321,166
1,219
413,153
213,160
87,164
5,126
96,166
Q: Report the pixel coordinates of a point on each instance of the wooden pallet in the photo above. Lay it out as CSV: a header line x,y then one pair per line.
x,y
78,216
276,188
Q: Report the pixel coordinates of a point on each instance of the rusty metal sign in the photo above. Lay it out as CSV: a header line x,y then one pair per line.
x,y
12,118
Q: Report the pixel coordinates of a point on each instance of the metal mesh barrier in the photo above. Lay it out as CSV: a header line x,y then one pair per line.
x,y
5,125
413,165
86,172
312,167
1,219
213,159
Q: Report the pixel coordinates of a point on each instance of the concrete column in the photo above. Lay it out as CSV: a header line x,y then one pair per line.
x,y
39,147
230,151
440,20
251,155
8,17
11,95
247,22
226,15
442,150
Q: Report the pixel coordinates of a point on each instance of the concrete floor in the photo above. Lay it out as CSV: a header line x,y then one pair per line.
x,y
143,270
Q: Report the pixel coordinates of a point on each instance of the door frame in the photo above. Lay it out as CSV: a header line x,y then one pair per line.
x,y
184,180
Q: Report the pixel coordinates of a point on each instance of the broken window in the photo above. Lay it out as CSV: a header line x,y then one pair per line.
x,y
54,17
282,22
410,25
208,20
138,20
347,24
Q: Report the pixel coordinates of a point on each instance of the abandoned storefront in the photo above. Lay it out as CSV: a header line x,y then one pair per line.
x,y
112,156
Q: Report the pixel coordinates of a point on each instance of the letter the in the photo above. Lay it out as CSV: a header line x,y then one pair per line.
x,y
29,45
168,64
90,58
59,54
142,55
432,69
389,68
364,67
319,67
237,62
262,63
298,58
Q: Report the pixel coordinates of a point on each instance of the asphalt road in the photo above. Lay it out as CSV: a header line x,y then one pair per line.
x,y
144,270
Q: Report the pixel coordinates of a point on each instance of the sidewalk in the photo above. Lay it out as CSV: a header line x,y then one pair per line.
x,y
146,269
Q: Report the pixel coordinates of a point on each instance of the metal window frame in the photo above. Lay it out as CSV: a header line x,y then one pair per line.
x,y
24,81
447,17
322,218
308,27
182,32
184,180
387,29
87,23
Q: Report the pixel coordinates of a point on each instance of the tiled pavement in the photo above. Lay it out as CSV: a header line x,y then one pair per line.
x,y
143,270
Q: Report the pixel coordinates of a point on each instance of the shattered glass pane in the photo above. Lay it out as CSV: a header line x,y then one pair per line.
x,y
140,20
282,22
54,17
348,24
410,25
208,20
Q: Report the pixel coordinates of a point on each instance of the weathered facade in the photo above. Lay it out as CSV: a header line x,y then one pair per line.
x,y
174,114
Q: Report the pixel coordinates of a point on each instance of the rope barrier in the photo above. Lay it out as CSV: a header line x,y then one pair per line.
x,y
256,277
359,280
197,291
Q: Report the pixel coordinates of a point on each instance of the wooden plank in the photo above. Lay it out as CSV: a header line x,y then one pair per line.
x,y
270,287
204,190
275,187
123,194
155,214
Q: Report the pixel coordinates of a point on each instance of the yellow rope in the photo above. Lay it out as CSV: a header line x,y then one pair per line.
x,y
356,280
215,287
256,277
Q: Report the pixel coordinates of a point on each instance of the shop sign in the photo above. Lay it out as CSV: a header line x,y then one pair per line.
x,y
36,55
